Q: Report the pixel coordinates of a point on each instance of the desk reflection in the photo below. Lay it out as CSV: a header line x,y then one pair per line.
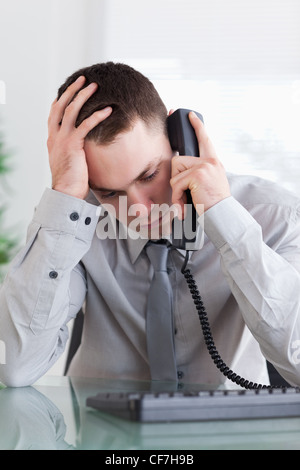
x,y
30,421
53,415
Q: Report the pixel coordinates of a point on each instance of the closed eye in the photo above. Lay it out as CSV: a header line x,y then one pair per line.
x,y
110,195
150,177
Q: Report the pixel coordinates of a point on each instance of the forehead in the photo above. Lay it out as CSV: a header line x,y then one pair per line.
x,y
127,156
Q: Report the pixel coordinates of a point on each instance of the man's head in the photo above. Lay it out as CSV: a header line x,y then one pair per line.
x,y
129,153
130,94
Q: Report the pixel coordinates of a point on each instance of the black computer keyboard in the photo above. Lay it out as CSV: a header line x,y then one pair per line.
x,y
200,406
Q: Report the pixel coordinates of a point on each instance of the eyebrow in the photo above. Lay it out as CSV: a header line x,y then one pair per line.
x,y
154,162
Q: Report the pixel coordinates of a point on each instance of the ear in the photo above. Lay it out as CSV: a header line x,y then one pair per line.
x,y
171,111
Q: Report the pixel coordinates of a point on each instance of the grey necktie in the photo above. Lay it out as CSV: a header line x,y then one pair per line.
x,y
159,320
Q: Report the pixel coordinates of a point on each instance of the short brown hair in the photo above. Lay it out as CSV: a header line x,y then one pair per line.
x,y
127,91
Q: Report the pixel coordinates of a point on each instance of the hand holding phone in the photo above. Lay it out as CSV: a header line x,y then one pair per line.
x,y
205,176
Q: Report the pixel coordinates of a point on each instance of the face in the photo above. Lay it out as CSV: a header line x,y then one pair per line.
x,y
131,178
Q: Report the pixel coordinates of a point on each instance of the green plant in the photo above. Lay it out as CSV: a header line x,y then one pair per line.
x,y
7,242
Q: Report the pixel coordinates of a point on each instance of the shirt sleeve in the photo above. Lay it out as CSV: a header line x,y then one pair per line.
x,y
45,287
260,257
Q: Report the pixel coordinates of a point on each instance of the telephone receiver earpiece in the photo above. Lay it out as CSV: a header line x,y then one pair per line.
x,y
181,133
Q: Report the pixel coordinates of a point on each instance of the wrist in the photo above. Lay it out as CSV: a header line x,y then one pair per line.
x,y
71,190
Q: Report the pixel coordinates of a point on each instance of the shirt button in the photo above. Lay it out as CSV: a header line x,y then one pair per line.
x,y
74,216
53,274
87,221
180,374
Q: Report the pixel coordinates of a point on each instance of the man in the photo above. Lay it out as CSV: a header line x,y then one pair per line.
x,y
108,144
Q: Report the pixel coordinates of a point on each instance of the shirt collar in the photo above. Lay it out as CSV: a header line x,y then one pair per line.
x,y
136,246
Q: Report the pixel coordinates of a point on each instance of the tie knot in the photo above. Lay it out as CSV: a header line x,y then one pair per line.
x,y
158,255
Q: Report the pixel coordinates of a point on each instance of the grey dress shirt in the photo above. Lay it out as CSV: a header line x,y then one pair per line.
x,y
247,272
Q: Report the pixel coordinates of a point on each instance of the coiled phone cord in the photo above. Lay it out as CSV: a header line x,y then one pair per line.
x,y
220,364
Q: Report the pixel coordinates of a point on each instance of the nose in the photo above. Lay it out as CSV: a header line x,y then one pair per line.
x,y
139,204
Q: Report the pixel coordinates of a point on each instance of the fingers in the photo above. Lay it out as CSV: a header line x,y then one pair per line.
x,y
206,148
205,177
89,123
183,173
68,95
72,110
65,110
59,105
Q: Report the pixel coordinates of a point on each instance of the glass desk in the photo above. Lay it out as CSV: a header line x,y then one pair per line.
x,y
52,414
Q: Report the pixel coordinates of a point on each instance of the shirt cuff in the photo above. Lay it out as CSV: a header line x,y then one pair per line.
x,y
226,221
60,212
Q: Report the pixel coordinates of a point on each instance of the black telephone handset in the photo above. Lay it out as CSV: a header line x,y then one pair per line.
x,y
184,141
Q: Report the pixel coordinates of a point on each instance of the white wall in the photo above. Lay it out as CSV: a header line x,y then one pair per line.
x,y
41,43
